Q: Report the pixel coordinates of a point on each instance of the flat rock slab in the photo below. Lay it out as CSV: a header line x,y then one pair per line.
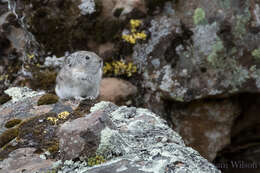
x,y
26,161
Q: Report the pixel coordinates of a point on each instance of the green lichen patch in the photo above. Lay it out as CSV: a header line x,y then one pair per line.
x,y
218,47
4,98
13,122
47,99
256,54
7,136
240,28
96,160
199,16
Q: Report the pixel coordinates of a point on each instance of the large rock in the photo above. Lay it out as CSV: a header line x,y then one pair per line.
x,y
130,139
81,137
244,148
213,51
206,125
116,90
200,50
141,142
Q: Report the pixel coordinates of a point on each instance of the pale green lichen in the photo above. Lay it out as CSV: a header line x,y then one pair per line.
x,y
110,144
240,75
241,22
255,73
199,16
218,47
225,4
256,54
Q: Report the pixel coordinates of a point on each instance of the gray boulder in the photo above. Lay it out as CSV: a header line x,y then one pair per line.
x,y
133,140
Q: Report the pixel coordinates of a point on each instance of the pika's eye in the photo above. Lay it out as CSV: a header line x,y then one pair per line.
x,y
87,57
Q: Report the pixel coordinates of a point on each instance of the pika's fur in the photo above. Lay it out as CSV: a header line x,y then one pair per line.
x,y
80,76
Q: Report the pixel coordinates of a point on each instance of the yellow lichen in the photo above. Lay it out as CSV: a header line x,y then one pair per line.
x,y
117,68
30,56
53,120
134,35
63,115
3,77
53,148
92,161
135,23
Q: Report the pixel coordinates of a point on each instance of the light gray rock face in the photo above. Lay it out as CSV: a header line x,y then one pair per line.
x,y
87,7
140,142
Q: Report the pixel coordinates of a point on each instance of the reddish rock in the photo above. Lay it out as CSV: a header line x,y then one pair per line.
x,y
81,136
26,161
116,90
206,126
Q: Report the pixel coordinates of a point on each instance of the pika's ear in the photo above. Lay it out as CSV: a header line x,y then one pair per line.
x,y
68,61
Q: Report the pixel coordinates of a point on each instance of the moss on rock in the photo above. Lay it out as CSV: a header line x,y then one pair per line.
x,y
13,122
47,99
44,80
4,98
54,148
7,136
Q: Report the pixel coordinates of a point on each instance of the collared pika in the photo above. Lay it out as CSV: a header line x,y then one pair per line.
x,y
80,76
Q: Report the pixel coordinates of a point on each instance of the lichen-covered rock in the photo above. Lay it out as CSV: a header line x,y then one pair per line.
x,y
134,137
12,43
141,142
212,52
21,106
81,137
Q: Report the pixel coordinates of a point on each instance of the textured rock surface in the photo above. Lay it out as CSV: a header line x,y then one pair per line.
x,y
12,43
244,147
80,138
25,160
130,139
194,50
24,105
187,61
142,142
206,126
